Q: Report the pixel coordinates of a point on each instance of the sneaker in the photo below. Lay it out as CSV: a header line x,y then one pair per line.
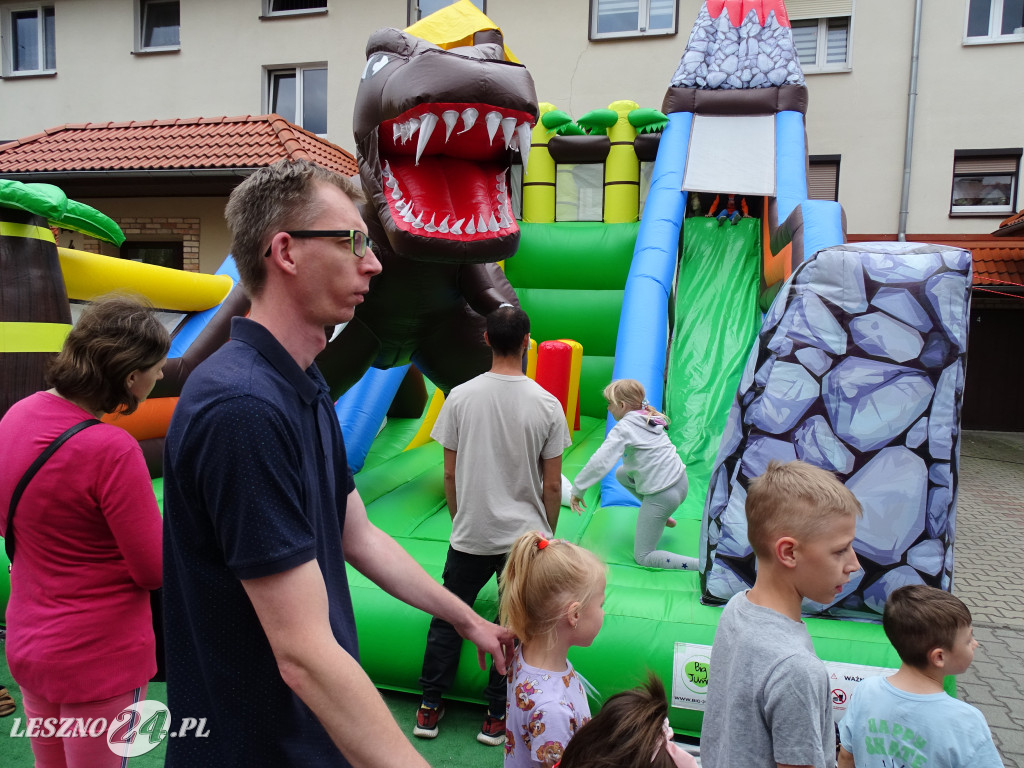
x,y
492,732
427,719
670,523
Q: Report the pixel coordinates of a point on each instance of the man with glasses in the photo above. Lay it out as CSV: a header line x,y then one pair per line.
x,y
261,513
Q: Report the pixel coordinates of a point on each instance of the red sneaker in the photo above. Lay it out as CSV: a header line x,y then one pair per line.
x,y
426,721
492,732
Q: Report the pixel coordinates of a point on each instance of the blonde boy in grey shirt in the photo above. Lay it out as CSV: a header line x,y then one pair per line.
x,y
768,694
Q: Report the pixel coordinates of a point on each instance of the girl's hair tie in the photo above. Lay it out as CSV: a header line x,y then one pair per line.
x,y
644,403
541,543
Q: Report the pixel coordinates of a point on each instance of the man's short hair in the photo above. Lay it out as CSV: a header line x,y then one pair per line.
x,y
506,327
917,619
795,499
276,198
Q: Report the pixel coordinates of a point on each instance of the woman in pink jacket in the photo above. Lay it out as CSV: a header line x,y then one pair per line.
x,y
88,535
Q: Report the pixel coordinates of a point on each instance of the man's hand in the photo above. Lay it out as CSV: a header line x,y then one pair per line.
x,y
491,638
576,504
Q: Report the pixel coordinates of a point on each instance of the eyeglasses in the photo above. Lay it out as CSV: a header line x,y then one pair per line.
x,y
360,240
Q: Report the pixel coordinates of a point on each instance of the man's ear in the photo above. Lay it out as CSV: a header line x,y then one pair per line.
x,y
785,551
281,254
937,657
487,341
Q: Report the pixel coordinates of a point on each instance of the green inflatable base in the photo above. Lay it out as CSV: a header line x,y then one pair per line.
x,y
650,615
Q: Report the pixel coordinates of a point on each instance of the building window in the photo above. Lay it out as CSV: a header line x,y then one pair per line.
x,y
823,177
292,7
158,25
163,253
995,21
420,8
823,45
28,40
299,95
632,18
985,182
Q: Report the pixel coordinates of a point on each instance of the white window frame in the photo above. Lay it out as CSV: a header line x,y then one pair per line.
x,y
415,14
981,158
643,21
821,64
141,7
299,72
270,13
7,37
995,24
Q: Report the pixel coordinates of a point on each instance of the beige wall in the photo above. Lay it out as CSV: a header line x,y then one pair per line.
x,y
966,98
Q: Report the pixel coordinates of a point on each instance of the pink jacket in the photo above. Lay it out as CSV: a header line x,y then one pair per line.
x,y
88,534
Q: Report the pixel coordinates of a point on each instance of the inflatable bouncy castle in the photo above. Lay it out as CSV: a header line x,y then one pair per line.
x,y
767,338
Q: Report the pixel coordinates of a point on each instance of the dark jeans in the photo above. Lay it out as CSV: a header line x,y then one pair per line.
x,y
464,575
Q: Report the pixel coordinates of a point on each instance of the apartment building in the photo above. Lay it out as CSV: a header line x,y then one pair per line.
x,y
916,129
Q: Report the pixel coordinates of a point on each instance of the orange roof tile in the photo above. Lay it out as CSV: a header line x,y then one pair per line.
x,y
247,141
1016,218
999,267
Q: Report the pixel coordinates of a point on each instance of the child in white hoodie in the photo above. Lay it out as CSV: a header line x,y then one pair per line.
x,y
651,470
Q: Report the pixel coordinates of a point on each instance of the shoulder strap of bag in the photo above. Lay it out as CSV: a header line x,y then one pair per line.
x,y
30,473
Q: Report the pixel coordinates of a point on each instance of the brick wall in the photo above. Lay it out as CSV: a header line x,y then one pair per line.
x,y
185,229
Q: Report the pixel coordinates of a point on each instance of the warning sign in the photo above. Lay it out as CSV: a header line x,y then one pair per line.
x,y
843,679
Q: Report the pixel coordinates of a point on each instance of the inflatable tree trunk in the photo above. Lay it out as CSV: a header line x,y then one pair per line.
x,y
35,316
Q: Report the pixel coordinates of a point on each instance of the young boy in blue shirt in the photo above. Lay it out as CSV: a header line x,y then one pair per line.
x,y
907,719
768,693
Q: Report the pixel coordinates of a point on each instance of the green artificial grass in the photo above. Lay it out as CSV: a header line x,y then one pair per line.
x,y
455,745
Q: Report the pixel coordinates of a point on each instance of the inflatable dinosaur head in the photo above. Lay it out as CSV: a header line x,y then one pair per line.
x,y
435,130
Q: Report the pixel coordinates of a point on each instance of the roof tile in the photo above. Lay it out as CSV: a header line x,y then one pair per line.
x,y
242,141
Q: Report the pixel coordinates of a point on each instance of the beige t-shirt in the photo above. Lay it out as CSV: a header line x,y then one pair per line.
x,y
501,427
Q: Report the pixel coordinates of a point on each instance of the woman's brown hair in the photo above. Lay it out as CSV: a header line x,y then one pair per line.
x,y
115,335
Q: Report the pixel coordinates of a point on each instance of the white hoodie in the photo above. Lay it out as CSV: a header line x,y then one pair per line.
x,y
648,456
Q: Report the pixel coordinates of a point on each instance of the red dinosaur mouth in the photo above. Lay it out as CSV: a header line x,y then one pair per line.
x,y
444,168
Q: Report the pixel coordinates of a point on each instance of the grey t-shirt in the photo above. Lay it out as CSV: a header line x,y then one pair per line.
x,y
501,427
768,694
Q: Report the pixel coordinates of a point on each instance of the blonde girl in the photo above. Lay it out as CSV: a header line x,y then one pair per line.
x,y
651,470
552,593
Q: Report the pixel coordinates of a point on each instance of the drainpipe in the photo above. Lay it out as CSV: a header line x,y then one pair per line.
x,y
908,151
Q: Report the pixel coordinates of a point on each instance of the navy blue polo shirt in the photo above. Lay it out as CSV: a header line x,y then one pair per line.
x,y
255,483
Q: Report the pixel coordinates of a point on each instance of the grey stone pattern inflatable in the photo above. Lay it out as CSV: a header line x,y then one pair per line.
x,y
719,55
859,369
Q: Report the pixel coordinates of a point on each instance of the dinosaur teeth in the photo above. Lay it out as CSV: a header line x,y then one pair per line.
x,y
493,120
492,225
469,116
457,227
443,226
450,117
471,227
525,134
427,123
508,127
431,227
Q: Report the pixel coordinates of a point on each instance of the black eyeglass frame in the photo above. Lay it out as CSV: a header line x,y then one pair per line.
x,y
360,240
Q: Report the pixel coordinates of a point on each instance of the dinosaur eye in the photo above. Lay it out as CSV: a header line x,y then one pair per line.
x,y
374,64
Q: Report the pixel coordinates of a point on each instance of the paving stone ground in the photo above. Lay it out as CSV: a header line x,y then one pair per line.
x,y
988,575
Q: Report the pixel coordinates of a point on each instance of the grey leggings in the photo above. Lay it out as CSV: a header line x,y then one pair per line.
x,y
655,509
